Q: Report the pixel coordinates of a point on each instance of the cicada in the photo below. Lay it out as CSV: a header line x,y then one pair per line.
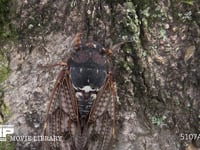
x,y
82,102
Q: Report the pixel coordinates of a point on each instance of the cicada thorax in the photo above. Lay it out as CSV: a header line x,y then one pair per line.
x,y
88,69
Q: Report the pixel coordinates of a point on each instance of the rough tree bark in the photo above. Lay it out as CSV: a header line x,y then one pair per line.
x,y
157,74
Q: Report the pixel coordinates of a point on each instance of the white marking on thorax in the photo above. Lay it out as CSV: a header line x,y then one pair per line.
x,y
87,89
88,81
94,96
79,94
97,71
94,45
81,69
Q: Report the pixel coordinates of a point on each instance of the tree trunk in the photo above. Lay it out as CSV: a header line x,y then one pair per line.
x,y
157,73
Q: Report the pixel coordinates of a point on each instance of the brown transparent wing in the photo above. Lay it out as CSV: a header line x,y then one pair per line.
x,y
101,124
61,118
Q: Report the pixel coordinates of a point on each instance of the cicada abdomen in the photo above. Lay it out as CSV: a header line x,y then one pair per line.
x,y
82,104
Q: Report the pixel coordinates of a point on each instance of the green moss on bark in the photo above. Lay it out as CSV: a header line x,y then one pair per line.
x,y
7,31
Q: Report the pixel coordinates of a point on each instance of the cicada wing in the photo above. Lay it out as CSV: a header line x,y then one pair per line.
x,y
102,118
61,115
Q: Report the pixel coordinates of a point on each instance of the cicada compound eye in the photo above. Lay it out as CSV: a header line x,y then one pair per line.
x,y
107,52
77,41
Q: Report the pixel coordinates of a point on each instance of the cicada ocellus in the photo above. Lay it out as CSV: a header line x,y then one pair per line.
x,y
82,103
